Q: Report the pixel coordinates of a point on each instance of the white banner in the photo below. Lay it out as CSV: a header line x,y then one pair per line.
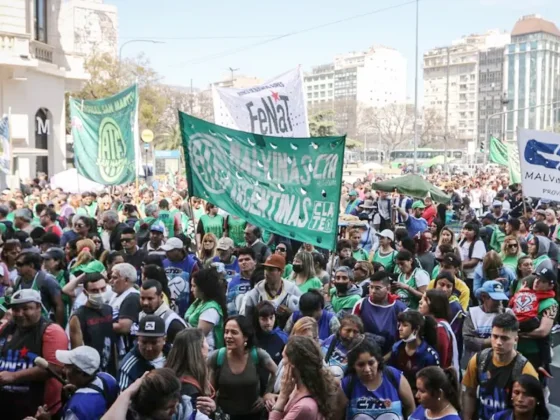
x,y
275,108
539,156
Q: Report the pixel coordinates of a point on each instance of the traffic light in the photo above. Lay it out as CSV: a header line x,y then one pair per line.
x,y
482,145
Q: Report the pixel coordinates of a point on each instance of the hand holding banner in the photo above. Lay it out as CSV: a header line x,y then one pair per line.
x,y
288,187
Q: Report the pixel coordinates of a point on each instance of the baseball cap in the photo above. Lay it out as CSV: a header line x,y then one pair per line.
x,y
451,259
54,254
225,244
492,288
24,296
496,203
84,358
151,326
171,244
418,205
276,261
386,233
502,220
546,274
541,212
157,226
489,216
353,193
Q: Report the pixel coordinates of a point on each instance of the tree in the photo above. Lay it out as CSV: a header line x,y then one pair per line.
x,y
391,126
322,124
433,129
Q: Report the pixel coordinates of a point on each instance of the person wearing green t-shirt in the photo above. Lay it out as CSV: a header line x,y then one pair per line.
x,y
385,254
211,222
412,282
167,218
235,229
358,252
304,272
89,204
345,294
207,311
284,249
54,263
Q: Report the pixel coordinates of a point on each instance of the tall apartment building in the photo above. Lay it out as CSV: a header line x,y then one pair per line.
x,y
459,61
532,75
372,78
43,45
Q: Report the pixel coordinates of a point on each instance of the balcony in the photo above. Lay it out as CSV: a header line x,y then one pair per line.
x,y
13,46
42,52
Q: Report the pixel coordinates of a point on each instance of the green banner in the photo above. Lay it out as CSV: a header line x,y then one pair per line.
x,y
513,163
288,186
498,152
104,137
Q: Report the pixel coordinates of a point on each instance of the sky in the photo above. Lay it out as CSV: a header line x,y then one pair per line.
x,y
246,30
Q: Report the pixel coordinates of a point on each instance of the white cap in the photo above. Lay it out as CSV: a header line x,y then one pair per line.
x,y
387,233
25,296
84,358
172,243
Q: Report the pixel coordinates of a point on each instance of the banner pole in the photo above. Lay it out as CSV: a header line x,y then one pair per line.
x,y
10,141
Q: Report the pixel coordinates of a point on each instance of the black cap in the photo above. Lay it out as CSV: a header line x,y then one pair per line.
x,y
54,253
547,274
451,259
490,216
151,326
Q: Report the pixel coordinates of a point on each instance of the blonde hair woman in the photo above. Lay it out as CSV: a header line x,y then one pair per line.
x,y
447,237
511,252
493,268
85,261
208,250
304,272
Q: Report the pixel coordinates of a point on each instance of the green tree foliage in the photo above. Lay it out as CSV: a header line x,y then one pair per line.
x,y
322,124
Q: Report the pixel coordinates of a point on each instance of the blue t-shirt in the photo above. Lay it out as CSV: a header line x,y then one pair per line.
x,y
415,225
231,269
420,414
179,278
237,287
503,415
383,403
88,403
338,361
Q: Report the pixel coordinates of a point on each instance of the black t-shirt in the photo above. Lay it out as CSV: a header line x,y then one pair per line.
x,y
130,309
175,328
136,261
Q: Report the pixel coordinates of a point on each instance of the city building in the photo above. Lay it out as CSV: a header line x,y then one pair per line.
x,y
372,78
43,45
532,75
451,82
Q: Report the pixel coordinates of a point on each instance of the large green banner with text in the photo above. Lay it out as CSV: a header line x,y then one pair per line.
x,y
290,187
104,133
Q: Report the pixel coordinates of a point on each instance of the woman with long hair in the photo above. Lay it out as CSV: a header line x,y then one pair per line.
x,y
415,349
524,269
511,252
235,371
208,250
413,280
437,391
445,281
10,252
424,252
446,237
435,228
320,264
493,268
368,379
435,303
527,401
209,309
54,263
472,252
85,259
308,390
187,359
100,251
304,272
285,249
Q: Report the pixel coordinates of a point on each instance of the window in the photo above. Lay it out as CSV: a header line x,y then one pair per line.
x,y
41,20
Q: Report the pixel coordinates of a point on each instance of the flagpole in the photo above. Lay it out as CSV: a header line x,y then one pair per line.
x,y
137,153
11,142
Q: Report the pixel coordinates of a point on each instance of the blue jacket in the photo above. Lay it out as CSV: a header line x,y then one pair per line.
x,y
88,403
425,356
273,343
505,272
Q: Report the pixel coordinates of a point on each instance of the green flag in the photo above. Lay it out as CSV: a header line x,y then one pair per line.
x,y
506,155
498,152
288,186
104,133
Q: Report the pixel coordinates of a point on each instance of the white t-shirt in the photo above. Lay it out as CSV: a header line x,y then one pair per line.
x,y
479,251
212,317
422,278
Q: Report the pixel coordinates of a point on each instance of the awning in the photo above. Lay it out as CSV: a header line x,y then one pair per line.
x,y
29,152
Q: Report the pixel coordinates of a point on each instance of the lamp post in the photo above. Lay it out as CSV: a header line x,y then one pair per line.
x,y
416,94
151,41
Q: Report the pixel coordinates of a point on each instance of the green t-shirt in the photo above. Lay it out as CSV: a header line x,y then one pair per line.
x,y
312,283
360,254
511,261
93,266
288,270
236,230
214,224
527,346
168,220
387,260
342,302
405,296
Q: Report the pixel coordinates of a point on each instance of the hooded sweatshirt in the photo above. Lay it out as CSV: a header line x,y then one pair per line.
x,y
542,259
344,302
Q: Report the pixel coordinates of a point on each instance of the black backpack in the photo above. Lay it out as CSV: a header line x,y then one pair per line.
x,y
143,235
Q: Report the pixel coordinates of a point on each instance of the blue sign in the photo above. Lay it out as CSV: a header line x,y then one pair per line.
x,y
167,154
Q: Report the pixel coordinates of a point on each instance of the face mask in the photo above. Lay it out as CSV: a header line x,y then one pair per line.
x,y
410,338
298,268
96,299
341,287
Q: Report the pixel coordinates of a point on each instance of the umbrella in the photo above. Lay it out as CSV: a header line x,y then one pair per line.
x,y
414,186
70,181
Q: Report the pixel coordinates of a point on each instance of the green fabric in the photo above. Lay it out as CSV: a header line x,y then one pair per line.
x,y
539,260
511,260
406,297
342,302
11,216
82,212
312,283
66,301
199,212
104,138
497,240
435,272
360,254
529,346
91,210
236,229
413,186
388,260
197,308
213,225
506,154
288,270
148,220
168,221
93,266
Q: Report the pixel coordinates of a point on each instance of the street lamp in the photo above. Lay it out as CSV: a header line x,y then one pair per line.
x,y
151,41
416,95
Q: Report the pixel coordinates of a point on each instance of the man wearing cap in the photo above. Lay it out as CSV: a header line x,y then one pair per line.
x,y
179,267
153,245
146,355
415,223
132,254
353,203
23,386
283,294
497,209
478,322
95,391
225,256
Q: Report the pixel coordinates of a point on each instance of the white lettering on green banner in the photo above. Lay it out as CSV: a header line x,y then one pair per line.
x,y
290,187
104,137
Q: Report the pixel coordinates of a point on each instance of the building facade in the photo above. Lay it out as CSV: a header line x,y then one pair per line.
x,y
532,75
43,45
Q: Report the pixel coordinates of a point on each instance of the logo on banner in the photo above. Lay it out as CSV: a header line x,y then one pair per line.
x,y
272,116
111,155
208,161
543,154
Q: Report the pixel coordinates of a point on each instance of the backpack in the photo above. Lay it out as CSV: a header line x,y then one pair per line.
x,y
109,399
483,359
143,234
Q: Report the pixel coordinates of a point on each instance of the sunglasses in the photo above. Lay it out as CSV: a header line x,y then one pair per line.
x,y
281,249
512,245
127,239
20,264
79,225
